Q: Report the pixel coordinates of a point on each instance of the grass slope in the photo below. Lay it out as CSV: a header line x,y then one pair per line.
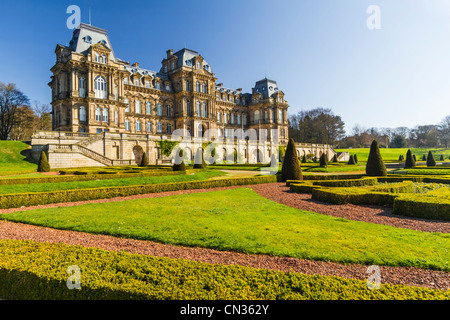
x,y
241,220
11,159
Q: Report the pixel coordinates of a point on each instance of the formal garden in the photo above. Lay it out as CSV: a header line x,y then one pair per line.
x,y
310,230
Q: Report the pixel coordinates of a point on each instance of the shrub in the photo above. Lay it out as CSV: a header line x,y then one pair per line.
x,y
179,161
375,165
199,160
355,157
144,161
410,162
432,205
335,159
366,181
424,158
400,158
323,160
442,157
43,165
351,160
291,169
430,160
304,158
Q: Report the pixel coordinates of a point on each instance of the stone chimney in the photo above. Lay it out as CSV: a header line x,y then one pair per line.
x,y
169,53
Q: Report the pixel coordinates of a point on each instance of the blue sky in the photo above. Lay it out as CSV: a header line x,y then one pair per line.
x,y
320,52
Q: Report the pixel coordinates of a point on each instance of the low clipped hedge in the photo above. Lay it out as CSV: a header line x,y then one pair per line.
x,y
432,205
38,198
101,175
365,181
378,195
38,271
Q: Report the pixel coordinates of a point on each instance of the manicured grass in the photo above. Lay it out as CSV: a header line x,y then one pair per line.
x,y
334,168
241,220
392,154
440,171
32,270
11,159
56,186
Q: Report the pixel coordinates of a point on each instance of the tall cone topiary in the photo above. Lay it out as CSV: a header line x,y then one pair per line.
x,y
179,158
304,158
375,165
291,169
323,160
410,161
430,160
43,165
144,161
199,160
335,159
424,158
356,158
351,160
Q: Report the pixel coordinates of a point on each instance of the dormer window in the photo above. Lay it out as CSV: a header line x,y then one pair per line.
x,y
206,67
136,82
103,59
87,39
97,57
103,41
199,65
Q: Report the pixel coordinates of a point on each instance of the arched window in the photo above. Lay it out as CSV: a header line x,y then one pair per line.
x,y
127,102
199,110
197,86
127,124
158,86
100,87
204,87
169,111
158,110
149,107
188,108
167,87
98,114
82,114
200,131
138,126
137,106
187,85
205,111
199,65
149,126
169,129
105,115
159,127
125,80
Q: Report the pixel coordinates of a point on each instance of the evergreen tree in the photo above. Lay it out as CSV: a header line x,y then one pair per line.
x,y
414,156
355,157
323,160
400,158
430,160
351,160
335,159
442,157
144,161
410,162
179,158
304,158
424,158
199,160
43,165
291,169
375,165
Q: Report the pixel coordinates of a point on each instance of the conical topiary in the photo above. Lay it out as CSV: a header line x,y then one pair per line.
x,y
351,160
424,158
375,165
304,158
355,157
43,165
291,169
323,160
430,160
400,158
144,161
179,162
442,157
409,162
199,160
414,157
335,159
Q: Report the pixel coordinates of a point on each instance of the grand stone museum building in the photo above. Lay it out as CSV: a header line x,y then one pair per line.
x,y
106,111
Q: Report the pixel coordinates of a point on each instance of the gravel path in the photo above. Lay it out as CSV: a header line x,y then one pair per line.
x,y
392,275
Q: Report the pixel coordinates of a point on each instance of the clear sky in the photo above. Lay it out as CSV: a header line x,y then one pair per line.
x,y
321,52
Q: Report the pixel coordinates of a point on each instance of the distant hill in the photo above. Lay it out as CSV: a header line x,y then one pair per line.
x,y
13,159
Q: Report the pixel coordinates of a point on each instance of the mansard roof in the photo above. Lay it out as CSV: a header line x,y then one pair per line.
x,y
86,35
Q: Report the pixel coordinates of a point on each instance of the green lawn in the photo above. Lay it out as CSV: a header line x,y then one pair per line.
x,y
392,154
241,220
56,186
334,168
11,159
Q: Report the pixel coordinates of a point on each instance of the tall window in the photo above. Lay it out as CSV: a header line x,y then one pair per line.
x,y
169,129
167,88
205,111
218,116
97,57
188,108
82,114
149,126
98,114
136,82
159,127
187,85
273,116
104,59
244,119
232,118
158,110
82,87
100,87
238,119
147,84
197,86
105,115
169,111
125,81
204,87
256,116
199,110
116,117
280,116
225,118
115,92
158,86
127,124
149,107
127,109
138,126
138,106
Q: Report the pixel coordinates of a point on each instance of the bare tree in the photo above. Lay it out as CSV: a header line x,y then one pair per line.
x,y
10,99
43,112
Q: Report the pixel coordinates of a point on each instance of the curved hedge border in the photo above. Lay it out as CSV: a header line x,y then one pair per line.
x,y
38,198
365,181
38,271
